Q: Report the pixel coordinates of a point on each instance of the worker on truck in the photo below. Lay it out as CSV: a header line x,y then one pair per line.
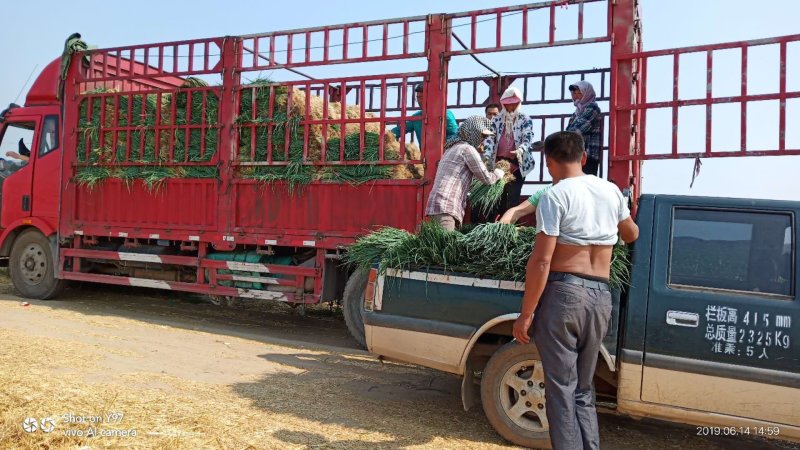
x,y
492,110
459,164
588,121
512,141
566,284
451,129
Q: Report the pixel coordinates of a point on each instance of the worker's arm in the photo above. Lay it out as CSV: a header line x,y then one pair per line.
x,y
514,214
548,220
478,168
526,124
583,122
409,126
535,280
16,155
628,230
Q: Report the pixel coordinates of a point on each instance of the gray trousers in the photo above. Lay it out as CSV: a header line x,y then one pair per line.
x,y
568,329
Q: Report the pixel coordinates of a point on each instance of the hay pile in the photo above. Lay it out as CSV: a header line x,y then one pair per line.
x,y
255,123
491,250
143,114
485,197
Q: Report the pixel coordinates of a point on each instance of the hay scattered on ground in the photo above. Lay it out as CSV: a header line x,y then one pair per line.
x,y
303,398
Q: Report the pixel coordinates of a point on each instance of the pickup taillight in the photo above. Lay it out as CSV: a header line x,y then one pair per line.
x,y
369,292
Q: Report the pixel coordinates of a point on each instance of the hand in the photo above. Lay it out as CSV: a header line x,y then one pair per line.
x,y
518,152
521,327
500,174
508,217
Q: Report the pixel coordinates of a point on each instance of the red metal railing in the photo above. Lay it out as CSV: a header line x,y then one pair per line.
x,y
323,119
156,61
648,150
348,43
146,127
532,85
497,16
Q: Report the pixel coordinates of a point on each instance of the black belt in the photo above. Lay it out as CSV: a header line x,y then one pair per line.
x,y
579,281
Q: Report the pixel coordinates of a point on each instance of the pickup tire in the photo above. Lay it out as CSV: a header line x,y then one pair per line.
x,y
31,267
513,397
353,305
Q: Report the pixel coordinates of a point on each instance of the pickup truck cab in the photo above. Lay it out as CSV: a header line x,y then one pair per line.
x,y
706,333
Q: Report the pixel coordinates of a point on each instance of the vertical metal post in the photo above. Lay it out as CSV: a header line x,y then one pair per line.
x,y
435,99
622,16
69,123
228,110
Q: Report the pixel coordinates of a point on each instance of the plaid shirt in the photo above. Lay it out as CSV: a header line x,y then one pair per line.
x,y
453,177
590,125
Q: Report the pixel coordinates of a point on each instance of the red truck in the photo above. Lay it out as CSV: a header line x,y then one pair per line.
x,y
140,176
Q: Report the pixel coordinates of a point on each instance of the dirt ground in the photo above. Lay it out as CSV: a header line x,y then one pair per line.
x,y
179,372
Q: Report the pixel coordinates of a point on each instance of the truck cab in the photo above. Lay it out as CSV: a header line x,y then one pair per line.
x,y
29,181
703,335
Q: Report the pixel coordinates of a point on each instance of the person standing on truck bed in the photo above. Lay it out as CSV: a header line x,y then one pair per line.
x,y
512,141
460,162
416,125
492,110
566,283
588,121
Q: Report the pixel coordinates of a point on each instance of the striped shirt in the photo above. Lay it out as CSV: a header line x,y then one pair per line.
x,y
453,176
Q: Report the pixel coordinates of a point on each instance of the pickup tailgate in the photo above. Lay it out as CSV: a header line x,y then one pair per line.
x,y
428,318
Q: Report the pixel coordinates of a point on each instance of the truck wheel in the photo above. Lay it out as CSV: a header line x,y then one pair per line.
x,y
353,305
513,397
31,267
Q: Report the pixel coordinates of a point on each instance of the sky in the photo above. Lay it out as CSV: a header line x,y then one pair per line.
x,y
34,33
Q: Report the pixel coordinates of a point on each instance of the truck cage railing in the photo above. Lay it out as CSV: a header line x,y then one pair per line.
x,y
381,101
638,107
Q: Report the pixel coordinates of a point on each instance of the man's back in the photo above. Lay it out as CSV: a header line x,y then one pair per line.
x,y
583,213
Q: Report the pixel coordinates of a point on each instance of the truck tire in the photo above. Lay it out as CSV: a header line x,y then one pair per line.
x,y
31,267
513,397
353,305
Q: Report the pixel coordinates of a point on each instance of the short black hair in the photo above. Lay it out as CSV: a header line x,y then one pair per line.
x,y
491,105
418,87
564,147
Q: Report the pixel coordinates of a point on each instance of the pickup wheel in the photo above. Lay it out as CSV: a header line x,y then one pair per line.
x,y
353,305
31,267
513,397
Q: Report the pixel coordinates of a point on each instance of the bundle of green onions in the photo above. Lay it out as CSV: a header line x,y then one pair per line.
x,y
194,142
485,197
491,250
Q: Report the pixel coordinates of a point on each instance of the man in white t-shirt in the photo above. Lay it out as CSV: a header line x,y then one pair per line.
x,y
566,284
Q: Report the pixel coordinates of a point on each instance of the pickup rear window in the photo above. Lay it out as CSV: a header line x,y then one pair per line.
x,y
732,250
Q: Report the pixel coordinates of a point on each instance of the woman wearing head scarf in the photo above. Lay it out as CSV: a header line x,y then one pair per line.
x,y
459,164
512,141
588,121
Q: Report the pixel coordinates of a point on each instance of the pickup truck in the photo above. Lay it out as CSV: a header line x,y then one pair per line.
x,y
703,334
